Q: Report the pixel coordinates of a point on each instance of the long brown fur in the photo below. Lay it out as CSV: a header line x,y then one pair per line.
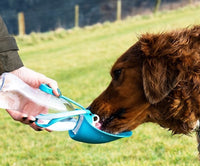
x,y
156,80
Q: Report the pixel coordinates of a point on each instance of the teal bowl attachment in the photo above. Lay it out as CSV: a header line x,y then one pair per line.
x,y
85,131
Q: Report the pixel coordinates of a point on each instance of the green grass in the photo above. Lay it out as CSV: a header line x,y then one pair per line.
x,y
80,60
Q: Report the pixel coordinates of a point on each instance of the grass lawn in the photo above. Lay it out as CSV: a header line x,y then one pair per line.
x,y
80,60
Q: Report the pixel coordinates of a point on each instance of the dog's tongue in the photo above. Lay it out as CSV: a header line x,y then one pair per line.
x,y
98,125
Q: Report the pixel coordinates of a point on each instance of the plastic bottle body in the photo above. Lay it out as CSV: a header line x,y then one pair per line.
x,y
14,93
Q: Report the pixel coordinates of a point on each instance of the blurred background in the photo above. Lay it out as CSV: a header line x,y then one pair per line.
x,y
45,15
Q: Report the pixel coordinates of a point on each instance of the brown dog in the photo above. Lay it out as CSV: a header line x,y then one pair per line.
x,y
155,80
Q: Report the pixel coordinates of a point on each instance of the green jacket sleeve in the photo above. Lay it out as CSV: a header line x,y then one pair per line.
x,y
9,58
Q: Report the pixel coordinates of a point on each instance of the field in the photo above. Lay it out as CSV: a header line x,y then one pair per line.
x,y
80,60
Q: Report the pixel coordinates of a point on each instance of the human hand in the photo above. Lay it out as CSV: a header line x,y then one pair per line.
x,y
28,110
35,79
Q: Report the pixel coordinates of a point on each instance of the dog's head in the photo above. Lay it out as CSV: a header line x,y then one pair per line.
x,y
153,81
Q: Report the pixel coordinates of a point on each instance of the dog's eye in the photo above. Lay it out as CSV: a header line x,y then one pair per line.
x,y
117,74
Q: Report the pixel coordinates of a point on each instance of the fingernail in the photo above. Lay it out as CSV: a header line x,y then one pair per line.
x,y
31,121
59,92
24,118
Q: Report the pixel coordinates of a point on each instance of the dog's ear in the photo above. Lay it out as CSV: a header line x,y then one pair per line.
x,y
160,74
158,79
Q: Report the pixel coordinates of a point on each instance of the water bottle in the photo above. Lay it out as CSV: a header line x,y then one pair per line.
x,y
14,92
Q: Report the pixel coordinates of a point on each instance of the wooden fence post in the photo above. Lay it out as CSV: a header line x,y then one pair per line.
x,y
119,9
76,16
21,23
157,6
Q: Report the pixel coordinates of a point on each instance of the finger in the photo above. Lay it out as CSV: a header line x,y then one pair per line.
x,y
21,117
53,84
48,130
31,119
35,127
17,115
56,92
27,120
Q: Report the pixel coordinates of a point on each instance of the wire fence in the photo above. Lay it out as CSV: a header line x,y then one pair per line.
x,y
40,19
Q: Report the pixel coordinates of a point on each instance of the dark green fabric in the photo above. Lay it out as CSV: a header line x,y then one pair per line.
x,y
9,61
9,58
8,43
